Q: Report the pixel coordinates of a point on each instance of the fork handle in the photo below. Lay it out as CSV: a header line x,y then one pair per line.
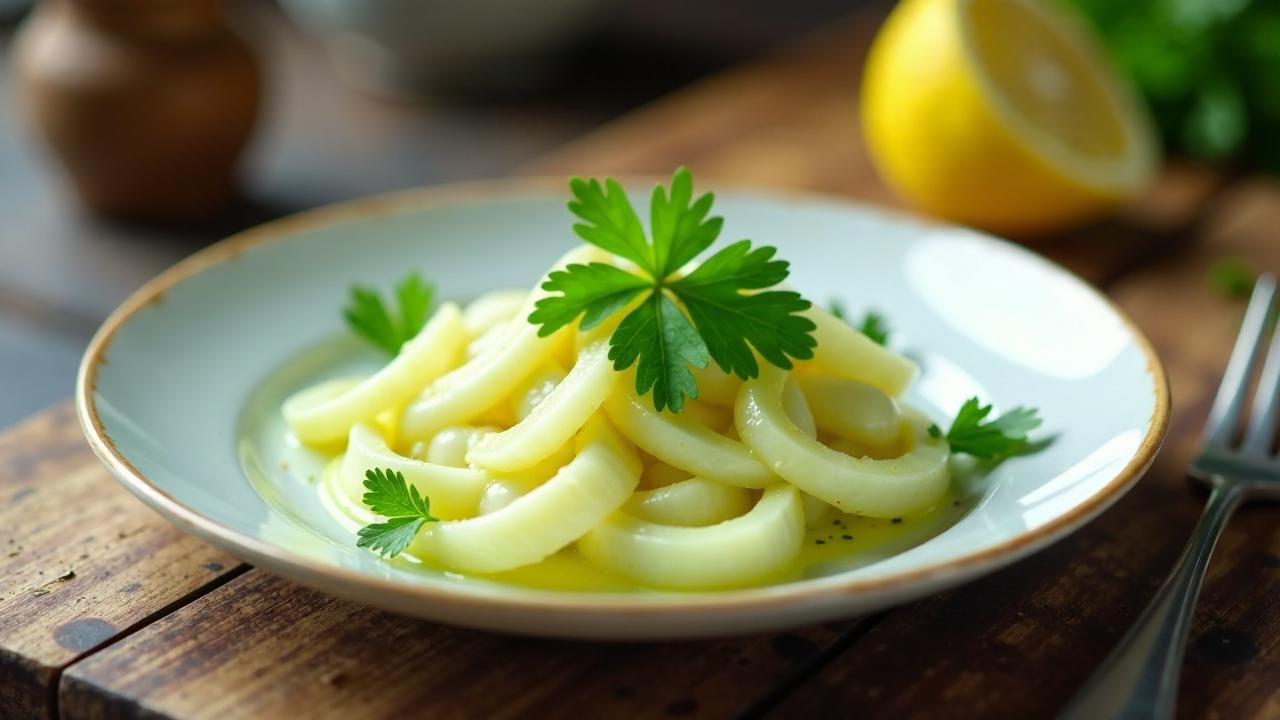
x,y
1139,679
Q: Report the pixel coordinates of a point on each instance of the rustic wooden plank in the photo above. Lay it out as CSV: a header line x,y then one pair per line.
x,y
261,647
1019,643
81,562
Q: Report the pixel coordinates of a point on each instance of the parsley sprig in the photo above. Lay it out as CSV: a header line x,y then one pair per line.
x,y
873,324
995,440
719,311
875,327
368,316
406,511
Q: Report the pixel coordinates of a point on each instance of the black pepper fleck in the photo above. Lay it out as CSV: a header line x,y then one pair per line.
x,y
847,537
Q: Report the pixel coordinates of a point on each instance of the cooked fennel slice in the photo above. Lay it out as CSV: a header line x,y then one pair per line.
x,y
690,503
846,353
683,442
454,491
731,553
553,421
897,486
492,309
853,410
547,519
476,386
317,418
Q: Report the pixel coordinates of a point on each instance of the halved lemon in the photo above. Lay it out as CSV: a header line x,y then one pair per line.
x,y
1002,114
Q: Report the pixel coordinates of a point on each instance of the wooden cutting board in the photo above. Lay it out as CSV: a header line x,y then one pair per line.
x,y
107,611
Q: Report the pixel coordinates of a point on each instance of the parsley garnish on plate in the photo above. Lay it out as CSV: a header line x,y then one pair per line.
x,y
406,511
873,324
721,310
995,440
368,316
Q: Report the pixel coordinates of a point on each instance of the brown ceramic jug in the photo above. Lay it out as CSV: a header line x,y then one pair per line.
x,y
148,103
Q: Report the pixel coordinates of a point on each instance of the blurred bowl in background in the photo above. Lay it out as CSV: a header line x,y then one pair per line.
x,y
417,46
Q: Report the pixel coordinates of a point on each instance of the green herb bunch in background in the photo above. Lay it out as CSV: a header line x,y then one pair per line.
x,y
1209,69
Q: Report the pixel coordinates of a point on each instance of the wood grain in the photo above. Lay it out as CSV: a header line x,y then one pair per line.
x,y
81,562
1022,641
261,647
1015,644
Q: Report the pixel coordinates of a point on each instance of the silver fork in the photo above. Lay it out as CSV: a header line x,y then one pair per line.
x,y
1140,677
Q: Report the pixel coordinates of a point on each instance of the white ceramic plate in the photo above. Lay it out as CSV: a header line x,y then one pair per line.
x,y
171,392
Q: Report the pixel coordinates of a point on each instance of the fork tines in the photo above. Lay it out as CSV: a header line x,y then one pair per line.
x,y
1229,406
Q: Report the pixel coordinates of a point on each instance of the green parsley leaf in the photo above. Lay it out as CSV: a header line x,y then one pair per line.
x,y
720,311
389,538
406,511
873,324
681,231
414,296
595,291
609,222
368,316
875,328
660,336
728,319
998,439
1232,277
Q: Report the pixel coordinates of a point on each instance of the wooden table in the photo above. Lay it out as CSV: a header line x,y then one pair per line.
x,y
107,611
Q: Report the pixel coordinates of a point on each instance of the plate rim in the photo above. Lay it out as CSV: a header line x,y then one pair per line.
x,y
304,569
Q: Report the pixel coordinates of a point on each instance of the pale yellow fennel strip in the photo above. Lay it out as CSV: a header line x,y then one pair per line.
x,y
877,488
316,419
454,492
852,410
549,518
734,552
483,381
683,442
492,309
690,503
846,353
553,421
